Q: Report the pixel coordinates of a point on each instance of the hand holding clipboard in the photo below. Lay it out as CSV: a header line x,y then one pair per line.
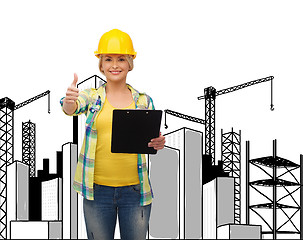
x,y
132,130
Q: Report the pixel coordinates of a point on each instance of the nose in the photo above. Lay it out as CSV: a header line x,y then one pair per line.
x,y
115,63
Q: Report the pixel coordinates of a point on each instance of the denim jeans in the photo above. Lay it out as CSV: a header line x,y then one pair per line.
x,y
101,213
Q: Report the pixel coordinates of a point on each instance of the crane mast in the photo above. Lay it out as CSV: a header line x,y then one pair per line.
x,y
7,108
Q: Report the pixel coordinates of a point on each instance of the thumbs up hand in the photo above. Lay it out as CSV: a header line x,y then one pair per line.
x,y
72,91
72,94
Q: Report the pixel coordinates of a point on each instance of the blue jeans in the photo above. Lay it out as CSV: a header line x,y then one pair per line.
x,y
101,213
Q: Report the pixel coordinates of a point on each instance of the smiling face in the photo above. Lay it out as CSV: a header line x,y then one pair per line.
x,y
115,67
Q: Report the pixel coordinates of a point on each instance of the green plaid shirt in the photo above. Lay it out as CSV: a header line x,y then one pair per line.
x,y
90,102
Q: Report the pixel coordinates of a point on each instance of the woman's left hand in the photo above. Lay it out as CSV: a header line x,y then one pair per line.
x,y
157,143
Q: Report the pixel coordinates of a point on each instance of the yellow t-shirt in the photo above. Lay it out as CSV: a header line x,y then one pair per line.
x,y
112,169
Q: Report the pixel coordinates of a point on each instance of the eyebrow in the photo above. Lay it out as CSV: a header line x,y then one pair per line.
x,y
111,57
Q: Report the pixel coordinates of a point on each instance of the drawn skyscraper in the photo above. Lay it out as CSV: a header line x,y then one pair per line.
x,y
78,135
70,198
18,192
188,142
218,205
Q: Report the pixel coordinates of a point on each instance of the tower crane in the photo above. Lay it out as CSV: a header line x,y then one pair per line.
x,y
210,94
7,108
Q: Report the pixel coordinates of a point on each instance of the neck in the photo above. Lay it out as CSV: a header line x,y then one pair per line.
x,y
116,87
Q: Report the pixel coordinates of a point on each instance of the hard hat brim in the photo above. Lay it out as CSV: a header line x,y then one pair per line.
x,y
97,54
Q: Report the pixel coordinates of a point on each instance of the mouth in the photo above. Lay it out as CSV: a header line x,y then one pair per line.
x,y
115,72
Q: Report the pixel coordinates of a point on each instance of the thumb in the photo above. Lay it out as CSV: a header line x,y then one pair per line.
x,y
74,84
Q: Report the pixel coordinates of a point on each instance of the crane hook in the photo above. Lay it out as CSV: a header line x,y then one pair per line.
x,y
49,103
272,107
165,125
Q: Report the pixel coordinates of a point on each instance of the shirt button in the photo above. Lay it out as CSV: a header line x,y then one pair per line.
x,y
139,166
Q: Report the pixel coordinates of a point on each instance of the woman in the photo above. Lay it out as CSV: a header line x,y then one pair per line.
x,y
112,184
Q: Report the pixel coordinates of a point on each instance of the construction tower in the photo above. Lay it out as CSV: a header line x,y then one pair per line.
x,y
7,108
6,155
29,146
273,193
231,158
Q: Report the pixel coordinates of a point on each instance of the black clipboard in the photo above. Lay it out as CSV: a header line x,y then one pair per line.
x,y
133,129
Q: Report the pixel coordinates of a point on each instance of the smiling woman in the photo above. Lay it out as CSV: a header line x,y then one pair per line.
x,y
115,67
111,183
129,59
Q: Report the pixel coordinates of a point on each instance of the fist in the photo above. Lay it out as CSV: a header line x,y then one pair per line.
x,y
72,92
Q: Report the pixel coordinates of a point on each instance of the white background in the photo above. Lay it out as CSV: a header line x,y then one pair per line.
x,y
183,47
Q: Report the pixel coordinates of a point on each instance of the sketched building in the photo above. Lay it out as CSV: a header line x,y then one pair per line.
x,y
218,205
18,192
44,208
164,171
70,199
189,143
218,212
52,200
48,193
78,135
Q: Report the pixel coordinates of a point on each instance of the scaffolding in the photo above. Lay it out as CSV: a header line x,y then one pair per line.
x,y
6,156
275,206
29,146
231,158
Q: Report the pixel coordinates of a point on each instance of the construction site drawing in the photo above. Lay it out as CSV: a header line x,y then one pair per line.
x,y
227,75
198,194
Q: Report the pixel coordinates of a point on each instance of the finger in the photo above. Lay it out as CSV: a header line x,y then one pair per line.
x,y
71,97
158,139
69,101
74,84
159,147
156,143
72,89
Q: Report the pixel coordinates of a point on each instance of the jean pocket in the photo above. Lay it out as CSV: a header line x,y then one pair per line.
x,y
136,188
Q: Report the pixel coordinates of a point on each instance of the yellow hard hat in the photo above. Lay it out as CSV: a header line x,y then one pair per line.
x,y
115,42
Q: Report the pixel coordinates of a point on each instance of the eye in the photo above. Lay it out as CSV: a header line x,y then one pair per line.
x,y
107,59
121,59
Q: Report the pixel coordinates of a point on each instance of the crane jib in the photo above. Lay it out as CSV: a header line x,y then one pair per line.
x,y
34,99
241,86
